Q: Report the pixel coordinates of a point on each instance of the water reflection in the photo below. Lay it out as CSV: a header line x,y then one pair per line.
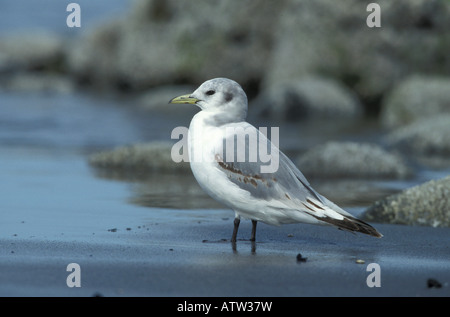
x,y
181,190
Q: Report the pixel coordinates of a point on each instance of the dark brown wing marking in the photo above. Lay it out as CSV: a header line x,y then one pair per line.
x,y
247,178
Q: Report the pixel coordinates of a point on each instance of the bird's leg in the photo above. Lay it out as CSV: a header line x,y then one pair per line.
x,y
237,220
253,236
253,246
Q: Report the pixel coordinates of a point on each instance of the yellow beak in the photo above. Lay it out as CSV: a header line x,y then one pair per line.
x,y
185,99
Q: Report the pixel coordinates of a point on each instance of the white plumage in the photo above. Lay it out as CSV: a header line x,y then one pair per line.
x,y
223,153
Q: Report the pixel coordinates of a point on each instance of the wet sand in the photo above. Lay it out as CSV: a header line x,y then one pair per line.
x,y
189,257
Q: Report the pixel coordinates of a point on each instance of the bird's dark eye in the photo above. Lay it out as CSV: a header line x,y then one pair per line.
x,y
210,92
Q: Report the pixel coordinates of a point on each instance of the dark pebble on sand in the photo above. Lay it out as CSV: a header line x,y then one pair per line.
x,y
300,258
432,283
112,230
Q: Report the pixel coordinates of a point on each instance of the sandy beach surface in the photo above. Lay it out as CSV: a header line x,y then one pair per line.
x,y
128,250
167,259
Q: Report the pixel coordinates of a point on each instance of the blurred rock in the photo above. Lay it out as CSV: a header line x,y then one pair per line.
x,y
39,51
427,204
416,98
332,38
34,62
92,58
427,138
37,82
308,97
265,46
138,159
352,160
169,41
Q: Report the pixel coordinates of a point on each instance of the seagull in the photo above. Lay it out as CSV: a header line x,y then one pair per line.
x,y
220,143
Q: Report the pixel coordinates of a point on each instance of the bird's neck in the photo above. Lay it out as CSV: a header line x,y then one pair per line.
x,y
217,119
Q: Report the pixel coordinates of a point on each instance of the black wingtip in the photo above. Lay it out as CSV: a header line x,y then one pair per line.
x,y
357,225
365,228
353,225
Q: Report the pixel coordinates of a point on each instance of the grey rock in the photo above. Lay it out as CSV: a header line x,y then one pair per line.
x,y
308,97
162,42
332,38
427,204
35,51
416,98
139,158
352,160
430,136
92,58
34,62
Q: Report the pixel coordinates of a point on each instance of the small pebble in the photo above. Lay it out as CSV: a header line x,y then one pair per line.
x,y
300,258
432,283
290,235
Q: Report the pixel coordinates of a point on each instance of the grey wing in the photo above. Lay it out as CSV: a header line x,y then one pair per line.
x,y
284,183
255,164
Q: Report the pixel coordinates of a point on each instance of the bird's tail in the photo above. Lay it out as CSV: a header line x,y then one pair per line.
x,y
326,211
352,224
